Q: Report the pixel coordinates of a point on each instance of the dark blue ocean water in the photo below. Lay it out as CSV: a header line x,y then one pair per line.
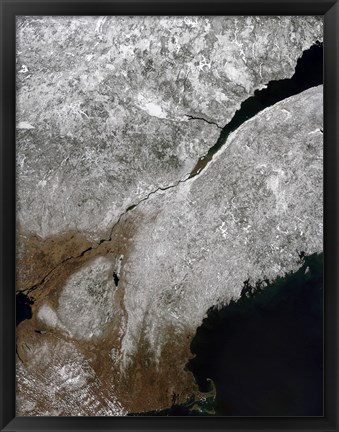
x,y
264,352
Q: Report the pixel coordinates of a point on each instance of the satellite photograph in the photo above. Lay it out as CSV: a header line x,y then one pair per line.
x,y
169,202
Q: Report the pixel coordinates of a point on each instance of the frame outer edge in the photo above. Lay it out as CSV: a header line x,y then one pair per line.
x,y
7,216
8,422
331,211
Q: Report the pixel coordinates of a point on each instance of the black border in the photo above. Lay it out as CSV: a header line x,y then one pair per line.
x,y
8,10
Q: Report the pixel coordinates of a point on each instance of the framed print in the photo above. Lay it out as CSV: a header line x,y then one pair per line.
x,y
169,215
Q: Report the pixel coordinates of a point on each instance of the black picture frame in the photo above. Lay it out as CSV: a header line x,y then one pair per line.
x,y
9,10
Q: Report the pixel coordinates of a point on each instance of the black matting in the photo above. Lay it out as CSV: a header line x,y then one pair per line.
x,y
9,9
